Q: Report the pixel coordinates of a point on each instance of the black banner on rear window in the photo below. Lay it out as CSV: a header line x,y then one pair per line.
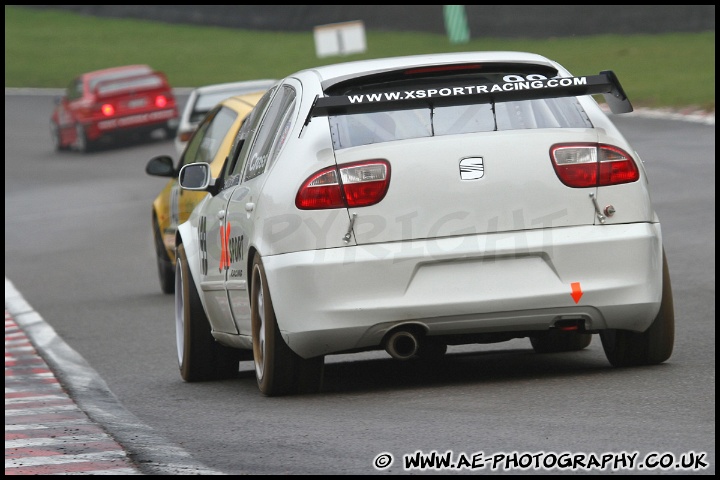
x,y
516,87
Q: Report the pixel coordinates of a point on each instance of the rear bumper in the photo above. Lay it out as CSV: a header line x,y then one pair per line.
x,y
341,299
139,121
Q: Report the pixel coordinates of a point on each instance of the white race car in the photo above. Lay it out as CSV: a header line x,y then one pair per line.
x,y
412,203
203,99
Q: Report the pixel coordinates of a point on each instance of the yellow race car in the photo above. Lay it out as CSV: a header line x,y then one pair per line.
x,y
211,144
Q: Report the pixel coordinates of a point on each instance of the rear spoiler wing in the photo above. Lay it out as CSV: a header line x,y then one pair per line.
x,y
606,83
143,81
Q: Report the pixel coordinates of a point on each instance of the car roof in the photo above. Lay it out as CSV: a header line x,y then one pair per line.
x,y
238,101
329,74
131,69
333,78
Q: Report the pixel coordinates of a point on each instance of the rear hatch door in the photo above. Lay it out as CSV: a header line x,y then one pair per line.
x,y
471,184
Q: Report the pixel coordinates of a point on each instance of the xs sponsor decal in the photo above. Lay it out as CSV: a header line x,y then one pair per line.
x,y
224,247
231,248
512,83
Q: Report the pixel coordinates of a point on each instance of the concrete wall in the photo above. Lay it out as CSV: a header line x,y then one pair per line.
x,y
514,21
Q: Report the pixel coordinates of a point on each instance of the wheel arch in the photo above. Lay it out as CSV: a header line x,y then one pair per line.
x,y
157,229
184,237
251,254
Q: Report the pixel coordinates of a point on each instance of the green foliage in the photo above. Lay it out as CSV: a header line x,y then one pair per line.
x,y
47,48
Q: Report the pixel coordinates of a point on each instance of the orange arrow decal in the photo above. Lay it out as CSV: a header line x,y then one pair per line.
x,y
576,291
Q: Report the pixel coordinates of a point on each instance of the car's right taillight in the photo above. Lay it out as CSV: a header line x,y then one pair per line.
x,y
592,165
107,109
357,184
161,101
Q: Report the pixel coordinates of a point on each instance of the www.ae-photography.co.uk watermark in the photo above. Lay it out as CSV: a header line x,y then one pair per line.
x,y
526,461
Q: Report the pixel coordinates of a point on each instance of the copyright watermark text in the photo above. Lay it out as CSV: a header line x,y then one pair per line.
x,y
435,461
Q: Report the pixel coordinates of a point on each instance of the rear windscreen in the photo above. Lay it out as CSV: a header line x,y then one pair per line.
x,y
366,128
426,119
207,101
123,81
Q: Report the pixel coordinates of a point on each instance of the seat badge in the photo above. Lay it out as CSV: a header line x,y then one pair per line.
x,y
471,168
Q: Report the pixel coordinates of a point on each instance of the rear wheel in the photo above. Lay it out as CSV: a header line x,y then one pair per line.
x,y
555,341
624,348
278,370
166,270
431,350
55,137
310,375
200,357
170,131
82,144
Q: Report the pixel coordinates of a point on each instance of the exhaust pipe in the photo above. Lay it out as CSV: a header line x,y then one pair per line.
x,y
402,345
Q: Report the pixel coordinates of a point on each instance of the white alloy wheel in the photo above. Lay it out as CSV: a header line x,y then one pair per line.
x,y
259,331
179,313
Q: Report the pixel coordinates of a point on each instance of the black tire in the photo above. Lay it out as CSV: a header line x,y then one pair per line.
x,y
166,269
624,348
55,137
431,350
82,144
556,341
170,132
310,375
200,357
278,370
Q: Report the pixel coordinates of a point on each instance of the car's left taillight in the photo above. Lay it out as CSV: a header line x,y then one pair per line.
x,y
357,184
592,165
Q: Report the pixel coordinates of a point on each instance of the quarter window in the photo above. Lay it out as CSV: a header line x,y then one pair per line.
x,y
241,144
274,127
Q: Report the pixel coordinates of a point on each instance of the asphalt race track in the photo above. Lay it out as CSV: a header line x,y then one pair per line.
x,y
78,249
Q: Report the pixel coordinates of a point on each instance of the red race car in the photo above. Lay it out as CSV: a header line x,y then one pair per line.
x,y
111,103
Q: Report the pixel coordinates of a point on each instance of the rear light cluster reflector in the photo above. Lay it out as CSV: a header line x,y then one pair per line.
x,y
185,135
592,165
357,184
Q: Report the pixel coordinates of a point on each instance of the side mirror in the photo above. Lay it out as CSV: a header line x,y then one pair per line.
x,y
196,176
161,166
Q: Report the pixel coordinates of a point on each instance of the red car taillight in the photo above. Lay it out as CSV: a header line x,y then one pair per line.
x,y
108,110
161,101
592,165
358,184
